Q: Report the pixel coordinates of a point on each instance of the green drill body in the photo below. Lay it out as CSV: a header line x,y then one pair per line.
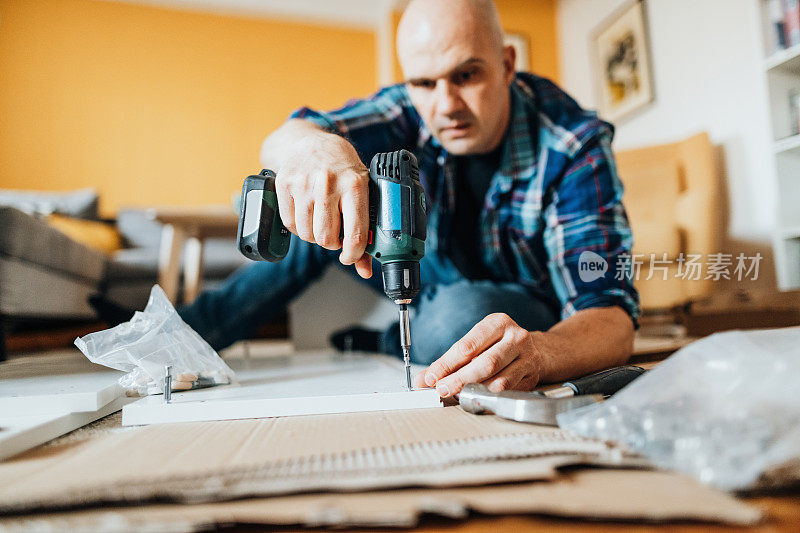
x,y
397,228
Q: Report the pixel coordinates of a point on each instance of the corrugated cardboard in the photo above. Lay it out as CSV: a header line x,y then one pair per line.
x,y
215,461
229,459
594,493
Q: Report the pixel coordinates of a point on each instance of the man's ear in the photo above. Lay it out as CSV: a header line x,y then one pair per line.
x,y
509,59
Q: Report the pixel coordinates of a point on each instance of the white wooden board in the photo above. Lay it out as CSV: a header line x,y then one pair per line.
x,y
301,384
69,393
20,433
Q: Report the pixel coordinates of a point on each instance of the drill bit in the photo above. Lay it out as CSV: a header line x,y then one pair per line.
x,y
405,339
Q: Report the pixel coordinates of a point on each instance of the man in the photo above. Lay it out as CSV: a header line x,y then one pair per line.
x,y
520,181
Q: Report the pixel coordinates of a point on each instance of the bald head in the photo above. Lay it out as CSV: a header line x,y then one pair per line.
x,y
457,71
429,22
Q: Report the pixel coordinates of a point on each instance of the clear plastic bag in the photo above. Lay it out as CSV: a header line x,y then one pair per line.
x,y
152,340
723,409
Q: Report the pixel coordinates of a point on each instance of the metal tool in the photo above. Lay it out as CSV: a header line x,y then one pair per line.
x,y
397,229
542,407
168,383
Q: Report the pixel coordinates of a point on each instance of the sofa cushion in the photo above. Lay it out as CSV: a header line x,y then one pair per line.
x,y
133,263
92,233
78,204
139,230
31,240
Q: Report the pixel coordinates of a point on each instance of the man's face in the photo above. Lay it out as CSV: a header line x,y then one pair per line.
x,y
459,86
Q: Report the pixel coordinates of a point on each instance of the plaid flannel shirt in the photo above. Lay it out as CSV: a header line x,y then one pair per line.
x,y
555,195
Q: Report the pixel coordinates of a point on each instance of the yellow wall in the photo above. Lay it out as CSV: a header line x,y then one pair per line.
x,y
536,20
157,106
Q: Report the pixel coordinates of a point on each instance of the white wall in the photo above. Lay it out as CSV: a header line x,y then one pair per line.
x,y
708,76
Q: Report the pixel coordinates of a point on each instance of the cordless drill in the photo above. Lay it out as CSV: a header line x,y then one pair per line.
x,y
396,237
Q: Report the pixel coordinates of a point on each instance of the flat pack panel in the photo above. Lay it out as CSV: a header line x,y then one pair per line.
x,y
20,433
301,384
70,393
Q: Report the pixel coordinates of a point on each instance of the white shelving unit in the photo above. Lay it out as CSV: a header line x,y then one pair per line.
x,y
782,73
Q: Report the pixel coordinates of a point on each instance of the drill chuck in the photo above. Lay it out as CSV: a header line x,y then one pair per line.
x,y
401,279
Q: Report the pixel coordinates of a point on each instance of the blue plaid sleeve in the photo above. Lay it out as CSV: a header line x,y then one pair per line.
x,y
383,122
587,230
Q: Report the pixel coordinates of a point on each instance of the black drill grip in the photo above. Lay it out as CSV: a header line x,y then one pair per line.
x,y
606,382
261,235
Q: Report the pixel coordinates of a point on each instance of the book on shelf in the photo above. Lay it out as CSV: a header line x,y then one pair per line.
x,y
791,22
783,17
776,32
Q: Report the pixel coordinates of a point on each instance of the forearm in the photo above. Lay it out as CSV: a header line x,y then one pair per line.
x,y
278,143
588,341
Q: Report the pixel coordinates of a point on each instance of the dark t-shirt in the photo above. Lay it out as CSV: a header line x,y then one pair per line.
x,y
473,176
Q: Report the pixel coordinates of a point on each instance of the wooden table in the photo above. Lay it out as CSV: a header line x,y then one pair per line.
x,y
185,229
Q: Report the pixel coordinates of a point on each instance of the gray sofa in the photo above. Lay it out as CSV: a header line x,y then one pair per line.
x,y
44,273
46,277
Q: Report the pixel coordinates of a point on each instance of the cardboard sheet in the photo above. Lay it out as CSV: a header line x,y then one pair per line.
x,y
302,384
223,460
594,493
446,448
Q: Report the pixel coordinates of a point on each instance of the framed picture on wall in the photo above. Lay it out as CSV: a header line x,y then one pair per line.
x,y
621,52
522,46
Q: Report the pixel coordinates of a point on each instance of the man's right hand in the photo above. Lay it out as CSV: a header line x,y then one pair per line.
x,y
323,194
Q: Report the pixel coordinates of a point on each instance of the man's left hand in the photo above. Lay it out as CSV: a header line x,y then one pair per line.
x,y
496,352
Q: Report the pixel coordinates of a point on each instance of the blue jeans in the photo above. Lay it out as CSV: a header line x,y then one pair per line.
x,y
447,307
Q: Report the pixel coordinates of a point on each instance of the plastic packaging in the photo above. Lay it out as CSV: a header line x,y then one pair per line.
x,y
723,409
152,340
